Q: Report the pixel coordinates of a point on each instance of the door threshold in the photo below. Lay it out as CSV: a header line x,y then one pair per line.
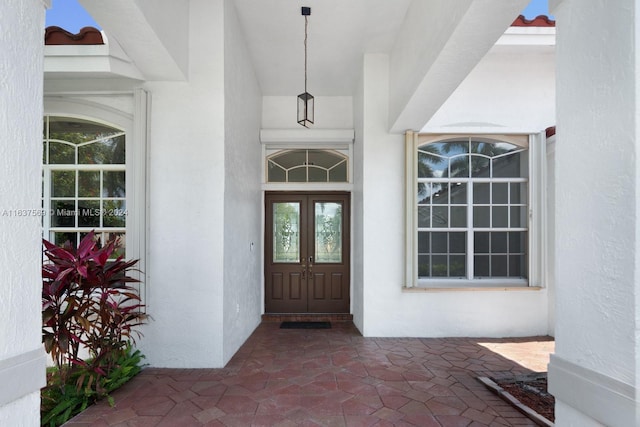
x,y
307,317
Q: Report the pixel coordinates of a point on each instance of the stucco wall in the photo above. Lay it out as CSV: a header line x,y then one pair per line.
x,y
595,368
550,253
382,194
596,269
186,213
512,89
22,361
171,14
24,412
357,208
242,196
203,288
387,310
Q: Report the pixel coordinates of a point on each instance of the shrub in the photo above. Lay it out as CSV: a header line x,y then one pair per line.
x,y
87,303
61,401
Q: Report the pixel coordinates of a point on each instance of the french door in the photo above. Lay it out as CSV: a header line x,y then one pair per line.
x,y
307,253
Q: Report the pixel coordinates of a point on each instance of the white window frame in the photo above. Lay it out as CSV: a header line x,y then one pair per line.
x,y
272,153
535,217
276,140
49,168
134,123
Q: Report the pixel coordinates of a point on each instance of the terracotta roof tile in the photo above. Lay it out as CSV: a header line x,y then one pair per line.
x,y
60,36
539,21
92,36
550,131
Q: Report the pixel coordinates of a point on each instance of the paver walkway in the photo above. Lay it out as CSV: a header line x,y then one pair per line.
x,y
330,377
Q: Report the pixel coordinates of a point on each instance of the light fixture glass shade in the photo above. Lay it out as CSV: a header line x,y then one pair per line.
x,y
305,109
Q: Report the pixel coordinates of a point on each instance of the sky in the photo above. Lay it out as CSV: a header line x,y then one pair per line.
x,y
535,8
69,15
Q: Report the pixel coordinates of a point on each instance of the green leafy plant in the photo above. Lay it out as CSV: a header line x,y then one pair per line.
x,y
61,401
88,304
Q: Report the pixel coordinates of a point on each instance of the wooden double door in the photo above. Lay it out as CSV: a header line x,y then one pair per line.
x,y
307,252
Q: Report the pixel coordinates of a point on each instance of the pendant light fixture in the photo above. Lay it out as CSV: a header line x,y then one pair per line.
x,y
305,100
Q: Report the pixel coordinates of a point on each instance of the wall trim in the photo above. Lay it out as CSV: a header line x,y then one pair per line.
x,y
268,136
25,373
601,397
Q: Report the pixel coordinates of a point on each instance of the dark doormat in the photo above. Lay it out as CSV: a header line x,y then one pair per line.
x,y
305,325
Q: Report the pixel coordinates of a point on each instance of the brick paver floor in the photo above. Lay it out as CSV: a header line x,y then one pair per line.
x,y
331,377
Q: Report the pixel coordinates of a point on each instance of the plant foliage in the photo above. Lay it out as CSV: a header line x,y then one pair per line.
x,y
61,401
88,304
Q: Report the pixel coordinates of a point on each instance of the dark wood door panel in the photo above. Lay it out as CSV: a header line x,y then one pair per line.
x,y
286,292
330,286
313,276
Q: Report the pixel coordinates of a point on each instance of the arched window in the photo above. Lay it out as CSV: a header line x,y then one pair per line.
x,y
84,180
307,165
469,219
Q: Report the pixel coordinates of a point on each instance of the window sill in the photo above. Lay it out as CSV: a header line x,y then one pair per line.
x,y
492,288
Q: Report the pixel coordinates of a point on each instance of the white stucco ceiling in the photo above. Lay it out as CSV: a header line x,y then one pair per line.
x,y
340,32
432,44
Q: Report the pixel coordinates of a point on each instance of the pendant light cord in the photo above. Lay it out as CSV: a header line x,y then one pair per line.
x,y
306,24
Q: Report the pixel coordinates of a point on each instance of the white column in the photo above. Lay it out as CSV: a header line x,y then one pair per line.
x,y
22,360
378,202
594,373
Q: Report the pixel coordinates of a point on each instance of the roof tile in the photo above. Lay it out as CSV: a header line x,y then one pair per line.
x,y
60,36
538,21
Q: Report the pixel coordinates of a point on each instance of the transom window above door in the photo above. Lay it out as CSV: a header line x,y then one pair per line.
x,y
307,165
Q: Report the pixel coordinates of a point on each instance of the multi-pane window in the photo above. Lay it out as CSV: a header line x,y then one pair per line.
x,y
84,180
472,210
307,165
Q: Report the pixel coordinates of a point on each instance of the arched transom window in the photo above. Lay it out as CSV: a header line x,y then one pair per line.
x,y
307,165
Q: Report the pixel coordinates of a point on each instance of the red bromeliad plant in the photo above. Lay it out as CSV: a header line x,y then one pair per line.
x,y
88,303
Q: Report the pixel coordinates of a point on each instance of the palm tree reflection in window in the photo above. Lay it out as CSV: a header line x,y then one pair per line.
x,y
448,172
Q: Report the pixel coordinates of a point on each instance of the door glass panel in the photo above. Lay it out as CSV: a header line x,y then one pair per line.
x,y
328,232
286,232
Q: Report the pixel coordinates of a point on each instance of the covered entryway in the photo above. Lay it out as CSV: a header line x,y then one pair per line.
x,y
307,252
